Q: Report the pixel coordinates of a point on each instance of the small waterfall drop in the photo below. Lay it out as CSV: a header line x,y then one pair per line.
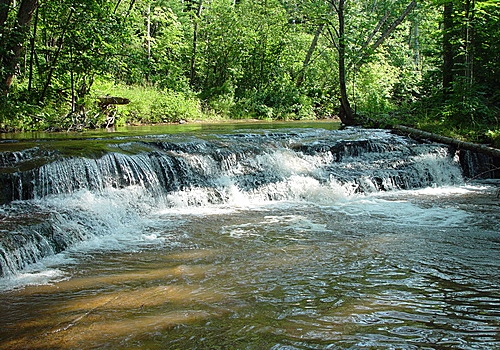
x,y
51,200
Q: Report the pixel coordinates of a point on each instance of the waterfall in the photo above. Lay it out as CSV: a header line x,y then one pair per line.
x,y
51,199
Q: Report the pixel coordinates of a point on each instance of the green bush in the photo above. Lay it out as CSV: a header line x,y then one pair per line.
x,y
17,114
150,105
277,103
171,106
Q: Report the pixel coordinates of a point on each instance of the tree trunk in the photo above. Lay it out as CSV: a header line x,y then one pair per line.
x,y
383,37
192,74
307,60
116,6
375,31
130,7
469,42
448,55
148,40
32,51
415,43
395,24
4,11
346,114
14,49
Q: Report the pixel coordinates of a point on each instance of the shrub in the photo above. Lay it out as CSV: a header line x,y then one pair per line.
x,y
150,105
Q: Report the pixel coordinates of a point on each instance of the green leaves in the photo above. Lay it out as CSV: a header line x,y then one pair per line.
x,y
274,59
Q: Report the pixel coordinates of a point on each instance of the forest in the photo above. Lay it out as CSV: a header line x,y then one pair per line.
x,y
428,64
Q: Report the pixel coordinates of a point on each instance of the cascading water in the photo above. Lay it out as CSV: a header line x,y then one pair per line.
x,y
276,238
309,164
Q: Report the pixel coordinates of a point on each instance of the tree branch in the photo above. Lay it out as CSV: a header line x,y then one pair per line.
x,y
374,31
307,59
394,25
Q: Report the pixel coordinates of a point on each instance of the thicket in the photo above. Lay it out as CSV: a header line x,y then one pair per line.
x,y
429,64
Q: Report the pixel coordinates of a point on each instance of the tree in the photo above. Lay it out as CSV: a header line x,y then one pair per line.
x,y
14,38
360,54
346,113
194,52
469,42
448,50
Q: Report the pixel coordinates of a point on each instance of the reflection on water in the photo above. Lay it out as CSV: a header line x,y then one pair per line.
x,y
406,270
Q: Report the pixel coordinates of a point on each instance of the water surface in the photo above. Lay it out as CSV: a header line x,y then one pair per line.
x,y
319,267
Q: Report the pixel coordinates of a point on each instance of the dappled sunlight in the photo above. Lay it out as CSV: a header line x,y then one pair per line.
x,y
156,272
122,313
99,331
95,308
144,298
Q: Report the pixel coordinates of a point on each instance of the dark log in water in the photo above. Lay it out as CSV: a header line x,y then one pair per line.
x,y
490,151
481,161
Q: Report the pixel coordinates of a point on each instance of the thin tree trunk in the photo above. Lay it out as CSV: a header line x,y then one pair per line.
x,y
448,56
32,51
395,24
117,5
148,39
307,60
72,78
131,6
375,31
11,59
415,43
469,41
192,73
383,37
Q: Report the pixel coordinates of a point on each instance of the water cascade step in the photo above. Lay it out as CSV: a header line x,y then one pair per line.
x,y
52,198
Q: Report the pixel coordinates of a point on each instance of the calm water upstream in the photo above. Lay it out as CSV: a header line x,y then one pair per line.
x,y
301,238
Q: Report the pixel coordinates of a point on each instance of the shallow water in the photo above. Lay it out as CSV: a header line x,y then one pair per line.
x,y
413,269
298,261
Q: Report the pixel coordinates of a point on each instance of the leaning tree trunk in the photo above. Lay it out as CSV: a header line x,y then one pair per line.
x,y
484,149
307,60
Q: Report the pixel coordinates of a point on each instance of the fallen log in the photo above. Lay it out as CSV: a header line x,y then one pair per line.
x,y
113,100
108,107
470,146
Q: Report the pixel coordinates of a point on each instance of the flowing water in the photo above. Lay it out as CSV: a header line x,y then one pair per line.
x,y
247,237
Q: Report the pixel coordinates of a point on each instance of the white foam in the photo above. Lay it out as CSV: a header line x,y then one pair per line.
x,y
125,223
44,276
107,218
400,210
434,191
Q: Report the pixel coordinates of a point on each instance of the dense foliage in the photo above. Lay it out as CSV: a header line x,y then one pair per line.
x,y
432,64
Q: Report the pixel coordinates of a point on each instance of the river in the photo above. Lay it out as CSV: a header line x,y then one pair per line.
x,y
271,236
